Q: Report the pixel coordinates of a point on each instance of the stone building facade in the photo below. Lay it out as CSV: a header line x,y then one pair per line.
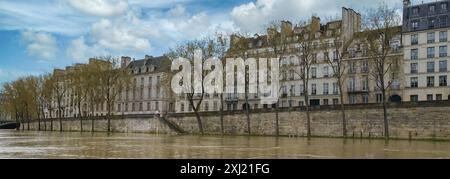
x,y
425,41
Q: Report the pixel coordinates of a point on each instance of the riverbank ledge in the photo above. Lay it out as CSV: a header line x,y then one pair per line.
x,y
415,121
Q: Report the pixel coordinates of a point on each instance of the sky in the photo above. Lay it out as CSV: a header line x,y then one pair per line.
x,y
37,36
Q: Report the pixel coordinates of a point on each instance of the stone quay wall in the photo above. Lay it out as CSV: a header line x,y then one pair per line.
x,y
406,121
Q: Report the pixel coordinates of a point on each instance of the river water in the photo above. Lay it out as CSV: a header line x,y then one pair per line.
x,y
31,144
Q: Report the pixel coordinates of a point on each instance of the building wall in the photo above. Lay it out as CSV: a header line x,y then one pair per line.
x,y
423,90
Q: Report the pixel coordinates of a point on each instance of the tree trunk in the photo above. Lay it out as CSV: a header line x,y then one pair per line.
x,y
51,121
221,113
80,116
17,120
92,124
344,121
386,122
308,119
247,114
23,122
39,123
199,121
28,119
60,116
277,127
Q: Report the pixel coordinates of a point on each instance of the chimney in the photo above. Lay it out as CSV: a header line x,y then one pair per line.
x,y
125,61
286,28
406,3
315,24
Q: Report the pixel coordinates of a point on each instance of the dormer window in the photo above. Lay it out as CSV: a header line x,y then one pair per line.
x,y
444,6
432,9
415,11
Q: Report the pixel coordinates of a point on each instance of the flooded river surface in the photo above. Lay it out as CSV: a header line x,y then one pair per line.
x,y
33,144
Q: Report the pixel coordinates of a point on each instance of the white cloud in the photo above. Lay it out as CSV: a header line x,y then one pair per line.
x,y
178,10
252,16
100,7
40,44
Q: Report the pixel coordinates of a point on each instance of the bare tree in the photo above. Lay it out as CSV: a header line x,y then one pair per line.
x,y
58,85
382,28
112,81
338,44
304,49
187,51
279,43
222,42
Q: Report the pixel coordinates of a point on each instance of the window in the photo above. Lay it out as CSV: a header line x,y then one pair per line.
x,y
430,37
325,89
432,9
365,67
365,99
326,56
429,97
414,68
430,52
414,98
314,58
431,22
414,54
325,102
443,21
443,80
149,93
443,36
415,24
430,81
444,6
335,89
190,107
430,67
313,89
149,107
313,72
132,107
351,84
415,11
352,67
301,103
182,107
325,71
352,99
206,106
126,107
443,51
443,66
379,98
414,39
365,83
292,90
157,105
302,89
140,106
335,101
414,82
215,105
439,97
118,107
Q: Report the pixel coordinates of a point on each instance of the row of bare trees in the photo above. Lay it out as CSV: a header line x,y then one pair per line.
x,y
81,88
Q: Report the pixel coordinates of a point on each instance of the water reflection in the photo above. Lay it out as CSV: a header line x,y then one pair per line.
x,y
20,144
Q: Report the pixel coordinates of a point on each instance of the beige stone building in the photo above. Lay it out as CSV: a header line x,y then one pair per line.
x,y
425,41
150,91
